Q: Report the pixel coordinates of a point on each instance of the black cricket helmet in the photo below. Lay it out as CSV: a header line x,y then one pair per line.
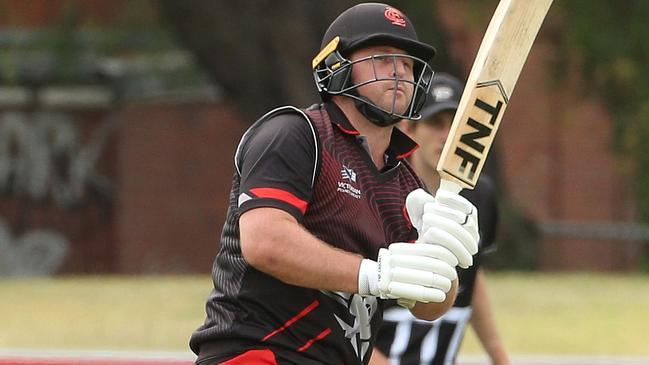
x,y
365,25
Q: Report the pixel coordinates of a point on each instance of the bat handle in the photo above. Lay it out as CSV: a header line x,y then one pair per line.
x,y
449,186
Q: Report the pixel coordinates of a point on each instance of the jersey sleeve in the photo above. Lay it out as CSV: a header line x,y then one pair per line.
x,y
277,161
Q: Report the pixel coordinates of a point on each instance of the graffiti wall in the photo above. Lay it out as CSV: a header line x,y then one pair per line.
x,y
57,181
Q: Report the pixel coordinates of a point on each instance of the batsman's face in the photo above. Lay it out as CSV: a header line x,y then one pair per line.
x,y
389,78
431,135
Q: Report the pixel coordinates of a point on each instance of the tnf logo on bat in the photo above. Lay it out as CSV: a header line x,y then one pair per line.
x,y
477,131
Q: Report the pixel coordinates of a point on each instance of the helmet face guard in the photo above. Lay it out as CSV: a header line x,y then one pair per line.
x,y
332,73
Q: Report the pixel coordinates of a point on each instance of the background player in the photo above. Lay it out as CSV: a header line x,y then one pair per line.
x,y
313,237
406,339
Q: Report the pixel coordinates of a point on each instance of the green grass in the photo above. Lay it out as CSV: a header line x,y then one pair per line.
x,y
570,314
125,313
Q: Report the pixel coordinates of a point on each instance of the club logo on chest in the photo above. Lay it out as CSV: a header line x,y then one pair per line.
x,y
345,185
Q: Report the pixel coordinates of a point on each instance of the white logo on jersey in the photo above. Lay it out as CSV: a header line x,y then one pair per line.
x,y
347,187
362,310
348,174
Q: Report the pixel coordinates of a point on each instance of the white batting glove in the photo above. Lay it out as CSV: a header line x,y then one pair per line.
x,y
408,271
448,220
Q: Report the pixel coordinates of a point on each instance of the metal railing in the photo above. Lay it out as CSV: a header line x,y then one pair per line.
x,y
621,231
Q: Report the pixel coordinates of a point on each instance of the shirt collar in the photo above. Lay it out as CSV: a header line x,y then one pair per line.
x,y
339,119
401,146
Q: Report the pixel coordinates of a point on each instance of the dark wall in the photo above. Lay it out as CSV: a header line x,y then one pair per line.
x,y
176,166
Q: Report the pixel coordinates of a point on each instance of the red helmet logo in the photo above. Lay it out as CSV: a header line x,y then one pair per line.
x,y
395,16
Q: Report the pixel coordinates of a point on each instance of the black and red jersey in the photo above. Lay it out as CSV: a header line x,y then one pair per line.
x,y
411,341
314,165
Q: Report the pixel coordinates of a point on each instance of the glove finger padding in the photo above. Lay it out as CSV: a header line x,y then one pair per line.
x,y
415,202
438,237
437,252
444,211
447,233
416,292
454,201
468,212
419,277
414,271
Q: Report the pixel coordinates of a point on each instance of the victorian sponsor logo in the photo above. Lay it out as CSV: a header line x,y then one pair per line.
x,y
347,187
348,174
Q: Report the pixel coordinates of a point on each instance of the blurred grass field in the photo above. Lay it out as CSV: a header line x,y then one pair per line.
x,y
562,314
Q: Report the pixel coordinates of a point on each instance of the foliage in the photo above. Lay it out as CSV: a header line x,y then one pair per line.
x,y
611,40
262,60
259,52
134,51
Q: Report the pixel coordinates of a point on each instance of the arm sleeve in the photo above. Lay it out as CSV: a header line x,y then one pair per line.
x,y
277,161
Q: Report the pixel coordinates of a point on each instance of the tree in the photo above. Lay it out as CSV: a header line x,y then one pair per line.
x,y
611,39
260,51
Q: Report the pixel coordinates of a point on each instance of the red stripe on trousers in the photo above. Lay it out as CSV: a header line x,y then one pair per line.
x,y
257,357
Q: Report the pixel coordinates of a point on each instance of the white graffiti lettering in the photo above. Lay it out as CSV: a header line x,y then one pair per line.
x,y
42,156
35,253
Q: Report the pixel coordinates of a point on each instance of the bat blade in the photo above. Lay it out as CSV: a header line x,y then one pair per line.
x,y
498,64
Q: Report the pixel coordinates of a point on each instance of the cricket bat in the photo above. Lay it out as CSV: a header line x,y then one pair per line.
x,y
498,64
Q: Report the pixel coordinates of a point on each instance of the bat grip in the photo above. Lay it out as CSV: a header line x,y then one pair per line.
x,y
449,186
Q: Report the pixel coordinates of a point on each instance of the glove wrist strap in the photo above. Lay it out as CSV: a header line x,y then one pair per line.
x,y
368,278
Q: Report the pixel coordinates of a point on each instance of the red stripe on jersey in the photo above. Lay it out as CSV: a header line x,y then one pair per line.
x,y
407,216
290,322
319,337
282,195
405,155
348,131
261,357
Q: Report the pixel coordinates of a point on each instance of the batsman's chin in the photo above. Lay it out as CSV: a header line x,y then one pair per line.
x,y
395,106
